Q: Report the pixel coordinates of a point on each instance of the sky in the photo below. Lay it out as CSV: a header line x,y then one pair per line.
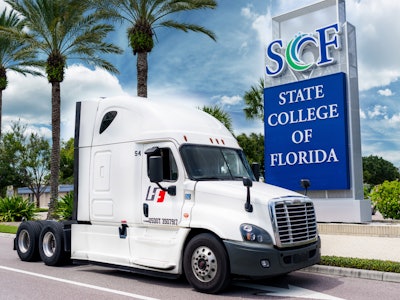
x,y
192,70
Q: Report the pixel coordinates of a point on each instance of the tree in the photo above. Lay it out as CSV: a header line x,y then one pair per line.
x,y
60,30
254,100
67,162
143,17
218,113
24,160
36,164
376,170
11,153
253,147
15,55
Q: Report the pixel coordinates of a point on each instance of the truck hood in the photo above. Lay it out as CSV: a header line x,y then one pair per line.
x,y
260,192
219,206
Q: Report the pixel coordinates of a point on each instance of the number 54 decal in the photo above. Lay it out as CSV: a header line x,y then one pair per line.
x,y
155,193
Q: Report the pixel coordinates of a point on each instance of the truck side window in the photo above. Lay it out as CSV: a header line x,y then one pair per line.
x,y
107,120
170,169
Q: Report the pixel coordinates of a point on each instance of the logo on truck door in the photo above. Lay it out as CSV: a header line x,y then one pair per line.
x,y
155,193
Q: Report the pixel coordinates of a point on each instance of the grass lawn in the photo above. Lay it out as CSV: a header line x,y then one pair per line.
x,y
8,228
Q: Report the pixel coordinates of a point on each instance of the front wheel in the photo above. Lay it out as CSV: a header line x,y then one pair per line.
x,y
206,264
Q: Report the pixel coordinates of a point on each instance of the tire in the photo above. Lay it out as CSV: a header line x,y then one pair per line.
x,y
51,247
27,240
206,264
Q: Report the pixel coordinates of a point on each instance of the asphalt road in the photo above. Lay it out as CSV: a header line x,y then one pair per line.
x,y
22,280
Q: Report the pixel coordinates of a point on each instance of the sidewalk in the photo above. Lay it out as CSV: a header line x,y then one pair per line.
x,y
379,239
375,241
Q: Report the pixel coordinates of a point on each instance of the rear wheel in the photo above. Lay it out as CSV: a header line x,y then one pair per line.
x,y
206,264
27,240
52,244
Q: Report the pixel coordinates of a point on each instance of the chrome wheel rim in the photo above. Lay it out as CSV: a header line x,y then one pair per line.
x,y
24,241
204,264
49,244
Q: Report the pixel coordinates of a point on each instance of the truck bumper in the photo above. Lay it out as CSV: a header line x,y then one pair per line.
x,y
259,261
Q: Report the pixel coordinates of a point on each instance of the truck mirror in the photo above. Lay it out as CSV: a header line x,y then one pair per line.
x,y
155,168
247,182
255,167
305,183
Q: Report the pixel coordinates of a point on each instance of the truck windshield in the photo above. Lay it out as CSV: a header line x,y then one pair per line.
x,y
215,163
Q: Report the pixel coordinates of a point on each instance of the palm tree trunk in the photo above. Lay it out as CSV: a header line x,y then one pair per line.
x,y
55,150
142,70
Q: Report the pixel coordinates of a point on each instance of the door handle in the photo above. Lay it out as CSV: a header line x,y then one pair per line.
x,y
146,209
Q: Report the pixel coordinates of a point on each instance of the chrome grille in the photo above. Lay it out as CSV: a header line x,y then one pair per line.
x,y
295,222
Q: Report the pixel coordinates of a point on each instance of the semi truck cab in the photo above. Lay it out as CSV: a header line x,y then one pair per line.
x,y
167,191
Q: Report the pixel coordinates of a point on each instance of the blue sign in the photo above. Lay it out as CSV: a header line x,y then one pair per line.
x,y
306,133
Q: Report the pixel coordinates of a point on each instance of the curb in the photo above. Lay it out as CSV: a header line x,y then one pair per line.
x,y
7,235
355,273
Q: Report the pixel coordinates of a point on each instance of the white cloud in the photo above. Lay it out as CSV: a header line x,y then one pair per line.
x,y
376,45
378,111
394,121
261,23
28,99
233,100
385,92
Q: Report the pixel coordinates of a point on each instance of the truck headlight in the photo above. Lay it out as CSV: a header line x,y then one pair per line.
x,y
255,234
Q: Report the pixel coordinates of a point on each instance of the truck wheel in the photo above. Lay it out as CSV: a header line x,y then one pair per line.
x,y
206,264
51,247
27,241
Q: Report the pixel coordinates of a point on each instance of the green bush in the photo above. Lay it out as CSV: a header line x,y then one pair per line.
x,y
359,263
13,209
386,198
65,207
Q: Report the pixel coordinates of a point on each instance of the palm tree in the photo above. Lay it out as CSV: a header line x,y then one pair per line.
x,y
60,30
254,99
143,17
14,55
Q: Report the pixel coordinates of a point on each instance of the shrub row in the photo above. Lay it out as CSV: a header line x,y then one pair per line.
x,y
386,198
14,209
360,263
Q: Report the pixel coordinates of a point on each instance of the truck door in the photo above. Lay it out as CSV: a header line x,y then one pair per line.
x,y
158,242
159,206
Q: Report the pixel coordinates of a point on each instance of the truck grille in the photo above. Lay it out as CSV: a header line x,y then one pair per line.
x,y
295,222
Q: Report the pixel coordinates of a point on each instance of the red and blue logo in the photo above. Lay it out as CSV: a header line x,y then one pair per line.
x,y
155,193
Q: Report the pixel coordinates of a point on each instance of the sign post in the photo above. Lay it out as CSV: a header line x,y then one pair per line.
x,y
311,110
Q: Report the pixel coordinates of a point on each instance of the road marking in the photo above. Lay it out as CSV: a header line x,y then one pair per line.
x,y
94,287
291,291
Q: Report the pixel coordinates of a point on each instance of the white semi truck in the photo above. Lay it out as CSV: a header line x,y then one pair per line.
x,y
167,191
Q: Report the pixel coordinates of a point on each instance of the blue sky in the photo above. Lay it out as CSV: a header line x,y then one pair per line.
x,y
192,70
